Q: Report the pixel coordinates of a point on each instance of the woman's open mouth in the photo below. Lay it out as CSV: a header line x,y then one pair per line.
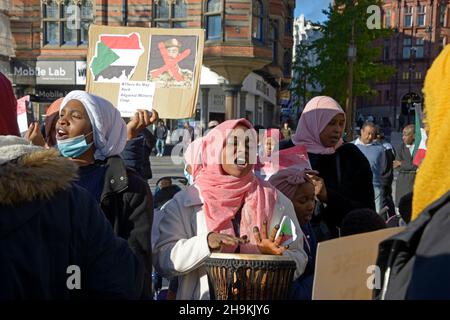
x,y
241,162
61,134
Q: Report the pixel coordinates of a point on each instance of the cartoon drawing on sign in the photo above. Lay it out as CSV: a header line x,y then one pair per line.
x,y
116,57
172,61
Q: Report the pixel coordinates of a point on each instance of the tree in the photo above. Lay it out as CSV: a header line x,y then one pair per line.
x,y
302,87
332,70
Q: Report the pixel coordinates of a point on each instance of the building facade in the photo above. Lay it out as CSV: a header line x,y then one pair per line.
x,y
6,44
242,38
421,29
304,34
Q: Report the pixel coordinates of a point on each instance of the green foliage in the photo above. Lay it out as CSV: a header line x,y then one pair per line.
x,y
303,73
332,48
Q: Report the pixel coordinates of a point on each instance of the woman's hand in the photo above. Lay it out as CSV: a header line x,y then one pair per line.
x,y
269,245
141,119
217,240
320,189
34,135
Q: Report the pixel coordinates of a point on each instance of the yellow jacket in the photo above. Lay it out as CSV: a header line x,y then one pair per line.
x,y
433,176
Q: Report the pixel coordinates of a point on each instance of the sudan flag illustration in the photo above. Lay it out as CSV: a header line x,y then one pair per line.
x,y
116,57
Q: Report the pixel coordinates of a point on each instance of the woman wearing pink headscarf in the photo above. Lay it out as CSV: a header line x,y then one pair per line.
x,y
344,181
227,209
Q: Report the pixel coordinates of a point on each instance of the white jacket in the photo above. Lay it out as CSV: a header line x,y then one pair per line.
x,y
182,246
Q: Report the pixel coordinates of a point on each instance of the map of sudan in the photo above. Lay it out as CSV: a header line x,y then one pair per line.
x,y
116,57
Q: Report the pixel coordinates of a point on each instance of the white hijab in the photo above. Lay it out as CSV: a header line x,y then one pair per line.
x,y
109,129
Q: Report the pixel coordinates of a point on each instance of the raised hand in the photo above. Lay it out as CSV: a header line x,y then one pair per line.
x,y
269,245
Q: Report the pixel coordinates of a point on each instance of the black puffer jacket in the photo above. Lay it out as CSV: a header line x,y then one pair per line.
x,y
127,203
48,224
415,264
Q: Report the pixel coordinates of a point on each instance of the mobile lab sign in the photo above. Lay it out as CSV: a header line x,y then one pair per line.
x,y
45,72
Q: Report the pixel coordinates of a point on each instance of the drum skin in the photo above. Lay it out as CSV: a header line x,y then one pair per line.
x,y
249,276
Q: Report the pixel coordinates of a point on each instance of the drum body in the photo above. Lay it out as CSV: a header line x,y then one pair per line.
x,y
249,276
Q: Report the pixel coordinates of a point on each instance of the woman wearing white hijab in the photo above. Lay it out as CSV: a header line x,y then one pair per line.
x,y
91,132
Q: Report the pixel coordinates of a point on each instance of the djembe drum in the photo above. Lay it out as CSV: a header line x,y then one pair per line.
x,y
249,276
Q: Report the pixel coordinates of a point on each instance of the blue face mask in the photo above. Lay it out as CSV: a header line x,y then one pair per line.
x,y
188,177
74,147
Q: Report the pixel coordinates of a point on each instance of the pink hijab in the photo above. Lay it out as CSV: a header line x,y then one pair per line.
x,y
223,195
317,114
287,180
193,156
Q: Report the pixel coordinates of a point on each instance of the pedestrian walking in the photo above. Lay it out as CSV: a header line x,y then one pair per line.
x,y
161,136
404,164
376,155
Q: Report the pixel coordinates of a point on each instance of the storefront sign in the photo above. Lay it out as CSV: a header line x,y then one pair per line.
x,y
219,99
44,72
255,84
50,94
262,87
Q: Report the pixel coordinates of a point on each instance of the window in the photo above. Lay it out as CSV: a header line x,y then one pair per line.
x,y
408,17
386,50
170,13
419,49
387,18
257,21
407,43
421,14
287,63
274,41
213,20
418,75
388,95
67,22
289,21
405,75
442,15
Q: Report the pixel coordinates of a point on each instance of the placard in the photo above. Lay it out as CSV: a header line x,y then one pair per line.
x,y
135,95
171,59
344,266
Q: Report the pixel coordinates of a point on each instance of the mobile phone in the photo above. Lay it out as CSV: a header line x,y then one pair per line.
x,y
287,227
30,112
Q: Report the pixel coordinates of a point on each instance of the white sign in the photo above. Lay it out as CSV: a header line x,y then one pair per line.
x,y
80,71
135,95
22,113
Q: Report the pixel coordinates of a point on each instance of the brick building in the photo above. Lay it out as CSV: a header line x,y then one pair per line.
x,y
421,30
243,39
6,45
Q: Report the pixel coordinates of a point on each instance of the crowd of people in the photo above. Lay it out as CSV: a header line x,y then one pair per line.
x,y
75,193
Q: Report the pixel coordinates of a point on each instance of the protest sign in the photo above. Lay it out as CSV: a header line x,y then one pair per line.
x,y
135,93
23,114
169,59
345,267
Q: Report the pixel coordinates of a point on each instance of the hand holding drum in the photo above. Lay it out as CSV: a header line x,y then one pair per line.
x,y
217,240
269,245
